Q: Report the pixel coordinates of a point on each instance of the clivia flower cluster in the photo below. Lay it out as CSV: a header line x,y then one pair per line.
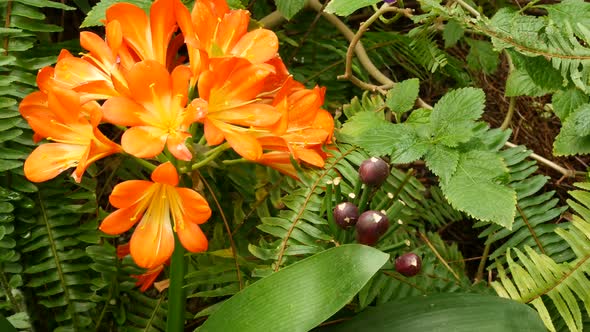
x,y
156,77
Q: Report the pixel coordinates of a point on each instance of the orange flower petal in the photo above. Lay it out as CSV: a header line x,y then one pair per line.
x,y
148,80
144,142
259,115
162,24
244,144
257,46
309,156
134,25
192,237
97,47
196,208
147,279
165,173
49,160
128,193
177,146
232,27
152,243
120,221
122,111
213,134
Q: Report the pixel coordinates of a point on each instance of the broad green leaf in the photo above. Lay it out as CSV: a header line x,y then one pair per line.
x,y
577,11
445,312
519,83
97,14
442,161
402,96
475,188
574,137
347,7
566,101
401,141
533,76
452,33
300,296
358,124
453,116
289,8
482,56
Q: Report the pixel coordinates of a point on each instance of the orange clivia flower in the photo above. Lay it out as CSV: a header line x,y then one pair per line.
x,y
230,107
148,37
146,279
158,208
212,30
155,111
72,129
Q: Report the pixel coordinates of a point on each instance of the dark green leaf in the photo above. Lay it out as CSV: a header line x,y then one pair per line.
x,y
453,117
566,101
347,7
402,96
97,14
445,313
398,140
574,137
482,56
452,33
302,295
476,189
289,8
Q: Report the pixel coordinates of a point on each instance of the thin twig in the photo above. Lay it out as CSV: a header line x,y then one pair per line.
x,y
470,9
566,172
227,229
440,258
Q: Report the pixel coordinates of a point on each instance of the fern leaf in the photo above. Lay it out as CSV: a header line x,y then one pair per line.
x,y
540,277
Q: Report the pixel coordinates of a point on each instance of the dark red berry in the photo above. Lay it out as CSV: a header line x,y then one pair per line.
x,y
373,172
370,226
346,214
408,264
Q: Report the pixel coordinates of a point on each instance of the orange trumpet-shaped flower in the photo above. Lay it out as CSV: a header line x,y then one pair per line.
x,y
149,37
155,111
212,30
159,208
72,129
230,107
146,279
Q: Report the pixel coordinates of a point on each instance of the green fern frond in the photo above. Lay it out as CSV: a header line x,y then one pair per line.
x,y
536,211
537,278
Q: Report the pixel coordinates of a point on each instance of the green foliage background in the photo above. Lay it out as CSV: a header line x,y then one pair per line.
x,y
55,264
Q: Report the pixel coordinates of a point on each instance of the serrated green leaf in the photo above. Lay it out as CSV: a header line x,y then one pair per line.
x,y
402,96
566,101
453,117
519,83
398,140
475,188
452,33
97,14
358,124
312,290
482,56
347,7
289,8
445,312
442,161
574,137
577,11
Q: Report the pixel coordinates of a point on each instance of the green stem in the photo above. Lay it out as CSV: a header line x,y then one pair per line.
x,y
210,155
146,164
176,292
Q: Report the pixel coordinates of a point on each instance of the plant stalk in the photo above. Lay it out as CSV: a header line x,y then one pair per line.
x,y
176,291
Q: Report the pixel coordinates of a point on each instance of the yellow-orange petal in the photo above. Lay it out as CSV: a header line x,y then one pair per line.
x,y
192,237
148,80
244,144
232,27
120,221
49,160
122,111
152,243
177,146
309,156
128,193
145,280
325,121
258,46
165,173
97,47
162,25
213,134
134,25
259,115
180,80
196,208
143,141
